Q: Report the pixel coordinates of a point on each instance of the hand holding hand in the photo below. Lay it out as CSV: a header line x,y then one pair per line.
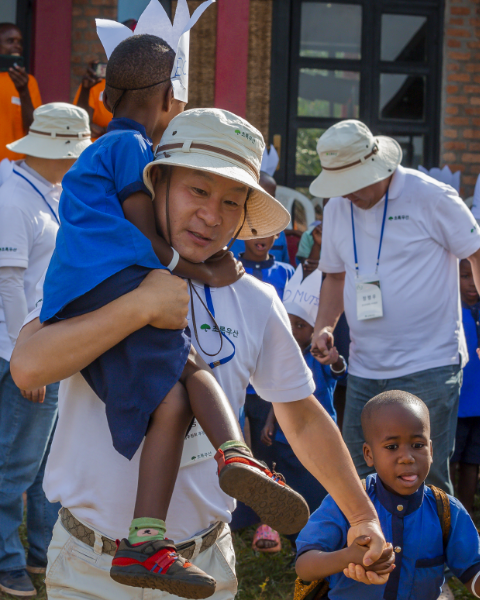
x,y
323,349
378,572
224,269
37,396
19,76
165,299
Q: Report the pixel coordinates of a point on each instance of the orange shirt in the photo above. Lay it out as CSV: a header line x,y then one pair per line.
x,y
11,125
101,116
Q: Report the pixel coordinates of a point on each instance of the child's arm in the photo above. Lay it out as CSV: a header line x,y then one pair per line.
x,y
138,209
315,564
474,585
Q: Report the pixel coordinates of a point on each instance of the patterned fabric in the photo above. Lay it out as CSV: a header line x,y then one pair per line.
x,y
310,591
87,536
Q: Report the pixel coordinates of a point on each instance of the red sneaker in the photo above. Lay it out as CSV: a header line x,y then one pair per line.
x,y
251,481
157,565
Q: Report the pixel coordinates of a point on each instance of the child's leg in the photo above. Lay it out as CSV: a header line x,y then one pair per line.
x,y
240,474
467,485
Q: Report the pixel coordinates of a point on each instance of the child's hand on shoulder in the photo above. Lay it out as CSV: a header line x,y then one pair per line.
x,y
223,269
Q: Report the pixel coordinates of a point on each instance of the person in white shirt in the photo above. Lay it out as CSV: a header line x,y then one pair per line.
x,y
207,189
391,243
28,227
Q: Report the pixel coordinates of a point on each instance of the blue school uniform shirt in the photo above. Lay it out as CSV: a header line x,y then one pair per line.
x,y
95,240
272,272
325,384
279,250
469,405
412,525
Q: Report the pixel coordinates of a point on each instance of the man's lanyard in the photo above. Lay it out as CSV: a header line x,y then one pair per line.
x,y
381,236
222,361
40,194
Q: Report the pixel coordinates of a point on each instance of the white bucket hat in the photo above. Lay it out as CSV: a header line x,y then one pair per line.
x,y
59,130
219,142
352,158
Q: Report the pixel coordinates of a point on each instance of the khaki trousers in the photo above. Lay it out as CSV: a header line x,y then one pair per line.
x,y
76,572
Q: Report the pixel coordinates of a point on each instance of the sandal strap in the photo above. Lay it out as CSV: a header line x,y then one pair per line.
x,y
238,457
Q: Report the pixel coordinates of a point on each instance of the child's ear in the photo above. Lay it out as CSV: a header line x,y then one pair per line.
x,y
105,101
168,99
367,454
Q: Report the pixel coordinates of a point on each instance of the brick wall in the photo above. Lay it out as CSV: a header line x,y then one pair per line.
x,y
460,127
85,43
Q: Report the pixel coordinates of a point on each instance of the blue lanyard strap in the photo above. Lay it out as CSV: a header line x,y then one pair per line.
x,y
39,193
222,361
381,236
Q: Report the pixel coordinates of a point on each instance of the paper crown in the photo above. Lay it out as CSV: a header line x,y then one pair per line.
x,y
155,21
301,298
270,161
444,175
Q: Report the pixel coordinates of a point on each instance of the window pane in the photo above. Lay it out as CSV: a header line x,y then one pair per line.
x,y
404,38
325,93
412,146
307,161
8,11
330,30
402,97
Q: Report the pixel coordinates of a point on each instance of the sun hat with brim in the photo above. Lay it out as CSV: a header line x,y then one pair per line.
x,y
59,130
219,142
352,158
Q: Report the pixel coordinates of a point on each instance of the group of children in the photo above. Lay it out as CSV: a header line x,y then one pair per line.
x,y
107,244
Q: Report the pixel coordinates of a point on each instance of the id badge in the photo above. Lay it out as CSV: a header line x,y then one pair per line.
x,y
369,298
196,447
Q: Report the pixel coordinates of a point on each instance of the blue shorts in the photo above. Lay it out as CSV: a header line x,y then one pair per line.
x,y
133,377
467,441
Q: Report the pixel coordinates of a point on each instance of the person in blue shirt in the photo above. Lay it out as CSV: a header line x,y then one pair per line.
x,y
106,246
301,303
466,456
396,427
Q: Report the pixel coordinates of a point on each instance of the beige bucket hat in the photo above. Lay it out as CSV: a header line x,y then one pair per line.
x,y
352,158
59,130
219,142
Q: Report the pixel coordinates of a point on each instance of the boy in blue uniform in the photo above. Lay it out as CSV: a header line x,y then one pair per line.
x,y
396,427
106,246
467,443
301,303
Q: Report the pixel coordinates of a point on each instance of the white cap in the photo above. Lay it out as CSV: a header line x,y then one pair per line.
x,y
352,158
301,298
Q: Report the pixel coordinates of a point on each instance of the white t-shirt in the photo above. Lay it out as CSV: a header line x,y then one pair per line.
x,y
476,200
28,231
427,229
86,474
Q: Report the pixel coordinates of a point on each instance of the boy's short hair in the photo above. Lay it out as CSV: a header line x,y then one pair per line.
x,y
138,65
387,399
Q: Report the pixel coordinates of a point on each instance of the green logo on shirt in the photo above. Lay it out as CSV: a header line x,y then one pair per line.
x,y
221,328
399,218
7,249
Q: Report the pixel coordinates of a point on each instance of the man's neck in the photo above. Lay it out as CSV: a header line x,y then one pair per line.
x,y
46,168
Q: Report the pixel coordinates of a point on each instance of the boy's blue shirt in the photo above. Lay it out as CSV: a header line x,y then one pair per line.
x,y
411,524
95,240
469,405
325,384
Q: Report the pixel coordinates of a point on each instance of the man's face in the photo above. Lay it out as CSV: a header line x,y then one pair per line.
x,y
204,210
11,41
367,197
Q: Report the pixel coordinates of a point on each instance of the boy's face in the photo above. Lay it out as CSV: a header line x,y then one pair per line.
x,y
258,249
11,41
302,331
399,447
468,291
204,210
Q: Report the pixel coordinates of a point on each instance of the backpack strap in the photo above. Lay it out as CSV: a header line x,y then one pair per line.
x,y
444,513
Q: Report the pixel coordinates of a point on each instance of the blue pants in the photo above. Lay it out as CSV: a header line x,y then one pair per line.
x,y
439,388
133,377
26,429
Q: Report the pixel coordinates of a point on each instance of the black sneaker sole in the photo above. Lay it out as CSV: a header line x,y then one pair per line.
x,y
278,506
146,579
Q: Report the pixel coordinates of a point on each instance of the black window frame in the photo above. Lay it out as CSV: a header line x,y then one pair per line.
x,y
287,62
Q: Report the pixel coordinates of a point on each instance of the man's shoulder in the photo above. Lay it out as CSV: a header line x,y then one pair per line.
x,y
428,186
14,192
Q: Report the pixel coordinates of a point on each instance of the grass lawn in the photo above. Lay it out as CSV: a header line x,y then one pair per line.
x,y
260,576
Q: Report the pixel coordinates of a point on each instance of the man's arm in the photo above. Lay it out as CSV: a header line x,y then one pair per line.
x,y
330,310
19,76
318,444
45,354
475,262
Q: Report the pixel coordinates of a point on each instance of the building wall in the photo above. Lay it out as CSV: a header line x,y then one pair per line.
x,y
86,46
460,127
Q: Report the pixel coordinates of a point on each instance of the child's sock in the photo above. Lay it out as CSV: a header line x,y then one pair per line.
x,y
146,529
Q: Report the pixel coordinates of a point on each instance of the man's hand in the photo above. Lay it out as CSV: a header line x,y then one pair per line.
x,y
19,76
323,349
378,572
165,299
376,545
37,396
